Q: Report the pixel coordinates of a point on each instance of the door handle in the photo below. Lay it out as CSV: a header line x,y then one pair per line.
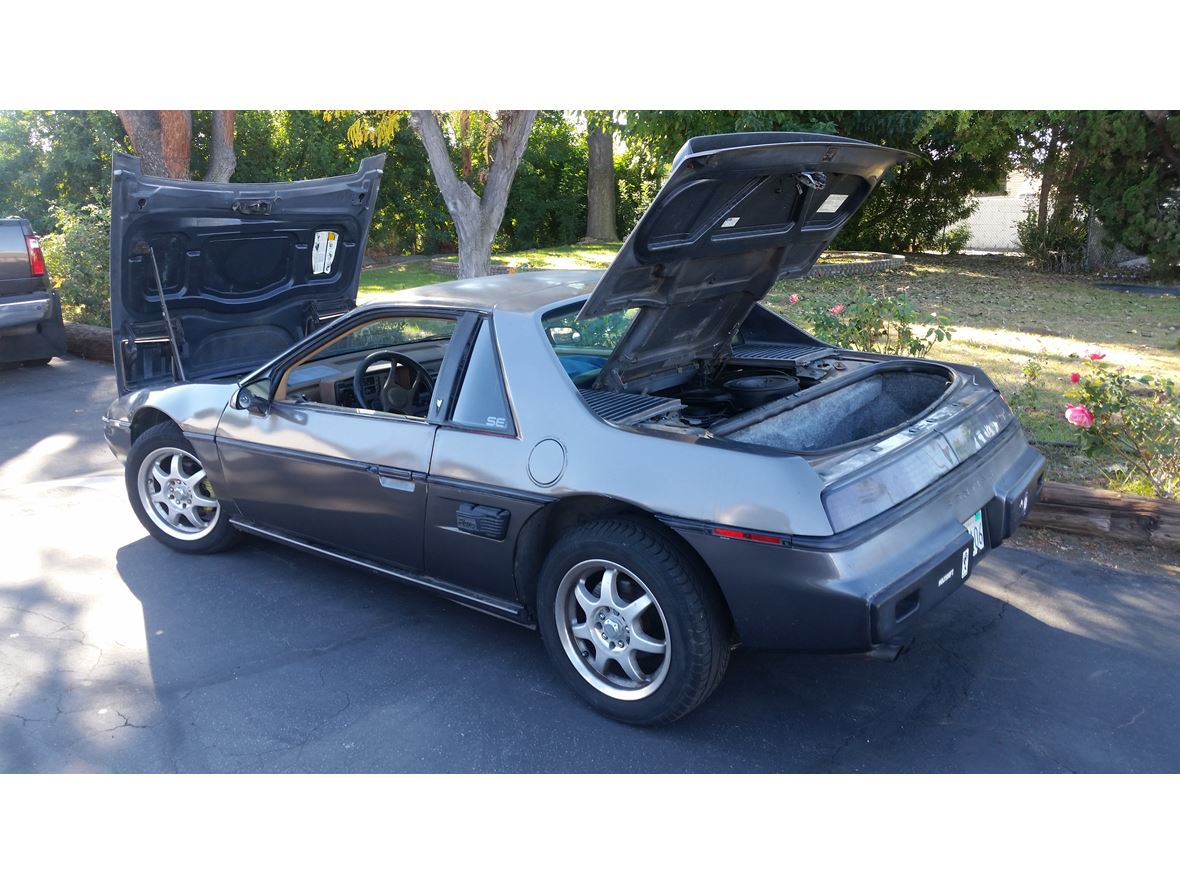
x,y
394,478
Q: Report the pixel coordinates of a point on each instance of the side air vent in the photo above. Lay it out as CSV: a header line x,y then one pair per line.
x,y
627,408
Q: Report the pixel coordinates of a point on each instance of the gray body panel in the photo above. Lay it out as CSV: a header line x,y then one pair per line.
x,y
15,278
290,473
31,326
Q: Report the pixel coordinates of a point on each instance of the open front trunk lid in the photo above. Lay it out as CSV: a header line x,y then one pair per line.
x,y
247,269
738,212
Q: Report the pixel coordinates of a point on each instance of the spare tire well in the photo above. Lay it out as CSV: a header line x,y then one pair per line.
x,y
544,528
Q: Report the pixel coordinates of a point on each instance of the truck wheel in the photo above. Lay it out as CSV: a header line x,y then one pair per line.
x,y
172,496
633,625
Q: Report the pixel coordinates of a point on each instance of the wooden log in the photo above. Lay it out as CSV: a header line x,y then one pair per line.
x,y
89,342
1104,513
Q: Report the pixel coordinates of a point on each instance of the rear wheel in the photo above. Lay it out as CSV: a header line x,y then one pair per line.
x,y
172,496
634,626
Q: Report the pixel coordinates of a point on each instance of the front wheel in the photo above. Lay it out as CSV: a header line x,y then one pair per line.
x,y
172,496
633,624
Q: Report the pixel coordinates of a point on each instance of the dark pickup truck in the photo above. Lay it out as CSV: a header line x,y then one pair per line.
x,y
31,330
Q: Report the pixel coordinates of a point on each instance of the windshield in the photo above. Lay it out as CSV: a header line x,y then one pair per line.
x,y
583,346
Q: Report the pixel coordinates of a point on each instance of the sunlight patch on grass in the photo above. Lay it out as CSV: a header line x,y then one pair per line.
x,y
379,280
579,255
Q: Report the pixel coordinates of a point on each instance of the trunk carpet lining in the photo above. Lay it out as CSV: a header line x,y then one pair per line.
x,y
847,414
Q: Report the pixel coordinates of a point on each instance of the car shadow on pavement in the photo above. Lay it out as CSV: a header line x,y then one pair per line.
x,y
267,659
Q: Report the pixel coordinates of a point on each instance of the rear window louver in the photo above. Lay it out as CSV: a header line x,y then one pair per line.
x,y
627,408
794,353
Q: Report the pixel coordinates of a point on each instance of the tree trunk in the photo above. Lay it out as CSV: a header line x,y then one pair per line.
x,y
162,140
600,184
222,160
143,128
176,134
476,219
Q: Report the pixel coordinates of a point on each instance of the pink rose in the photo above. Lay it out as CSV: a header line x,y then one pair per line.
x,y
1096,355
793,298
1079,416
837,310
1074,378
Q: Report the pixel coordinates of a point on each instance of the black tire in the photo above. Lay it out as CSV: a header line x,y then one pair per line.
x,y
687,608
157,442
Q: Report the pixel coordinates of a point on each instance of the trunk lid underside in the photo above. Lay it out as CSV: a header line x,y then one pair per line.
x,y
737,213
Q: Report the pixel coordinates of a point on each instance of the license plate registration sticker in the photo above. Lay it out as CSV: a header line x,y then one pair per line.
x,y
974,527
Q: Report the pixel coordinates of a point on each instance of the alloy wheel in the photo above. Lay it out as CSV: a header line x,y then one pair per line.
x,y
176,494
612,629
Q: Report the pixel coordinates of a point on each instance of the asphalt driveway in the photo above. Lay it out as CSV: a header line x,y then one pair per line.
x,y
119,655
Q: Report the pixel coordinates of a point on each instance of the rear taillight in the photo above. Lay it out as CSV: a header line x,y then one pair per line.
x,y
36,258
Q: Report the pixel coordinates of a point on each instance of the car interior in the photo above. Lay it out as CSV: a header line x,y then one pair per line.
x,y
387,365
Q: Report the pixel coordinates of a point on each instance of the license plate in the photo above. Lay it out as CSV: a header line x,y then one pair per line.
x,y
974,527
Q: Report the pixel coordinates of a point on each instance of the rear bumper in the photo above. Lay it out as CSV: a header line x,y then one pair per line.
x,y
865,586
31,327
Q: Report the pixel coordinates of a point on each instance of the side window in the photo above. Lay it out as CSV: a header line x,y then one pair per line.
x,y
482,403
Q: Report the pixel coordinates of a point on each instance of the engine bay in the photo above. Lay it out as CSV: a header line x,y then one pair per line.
x,y
712,398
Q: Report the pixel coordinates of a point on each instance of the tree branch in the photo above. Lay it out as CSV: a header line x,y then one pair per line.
x,y
458,195
515,127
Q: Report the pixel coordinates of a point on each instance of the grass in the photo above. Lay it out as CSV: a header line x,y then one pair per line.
x,y
1004,314
401,276
593,255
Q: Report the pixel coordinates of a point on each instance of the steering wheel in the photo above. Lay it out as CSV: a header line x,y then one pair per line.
x,y
394,397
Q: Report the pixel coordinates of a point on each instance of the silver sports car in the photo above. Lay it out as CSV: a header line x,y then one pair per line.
x,y
644,464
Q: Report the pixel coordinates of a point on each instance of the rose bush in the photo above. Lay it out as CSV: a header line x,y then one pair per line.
x,y
1133,418
875,323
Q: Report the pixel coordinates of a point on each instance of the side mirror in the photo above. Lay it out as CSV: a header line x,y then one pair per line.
x,y
251,402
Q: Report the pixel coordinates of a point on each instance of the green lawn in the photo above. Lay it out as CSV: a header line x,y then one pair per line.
x,y
401,276
1003,315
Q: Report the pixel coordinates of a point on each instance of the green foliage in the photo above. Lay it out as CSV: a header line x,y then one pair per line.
x,y
637,179
1059,247
1137,419
1130,177
547,203
409,215
77,258
52,158
876,323
953,239
1025,399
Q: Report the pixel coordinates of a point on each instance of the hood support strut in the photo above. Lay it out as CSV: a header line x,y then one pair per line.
x,y
177,367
